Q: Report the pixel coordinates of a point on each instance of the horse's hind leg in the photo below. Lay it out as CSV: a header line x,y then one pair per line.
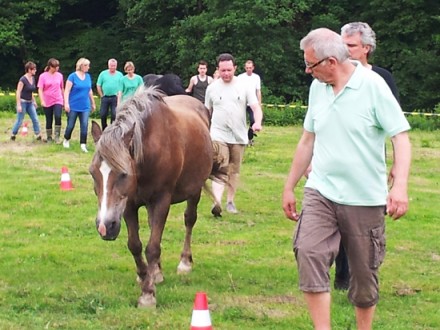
x,y
134,243
186,260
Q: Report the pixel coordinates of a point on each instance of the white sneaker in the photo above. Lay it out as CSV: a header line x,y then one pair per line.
x,y
66,143
83,147
230,207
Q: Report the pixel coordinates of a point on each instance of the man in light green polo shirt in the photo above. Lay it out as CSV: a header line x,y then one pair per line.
x,y
351,112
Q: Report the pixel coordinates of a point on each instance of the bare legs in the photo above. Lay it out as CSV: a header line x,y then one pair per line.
x,y
364,317
319,309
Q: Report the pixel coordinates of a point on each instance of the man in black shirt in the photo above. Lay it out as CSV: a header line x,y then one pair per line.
x,y
361,43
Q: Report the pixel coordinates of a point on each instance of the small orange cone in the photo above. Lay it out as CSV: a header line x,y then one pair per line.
x,y
65,183
201,320
24,129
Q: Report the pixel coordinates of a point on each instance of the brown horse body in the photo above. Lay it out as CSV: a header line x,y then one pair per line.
x,y
157,152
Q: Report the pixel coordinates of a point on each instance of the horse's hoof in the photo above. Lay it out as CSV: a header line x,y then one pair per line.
x,y
216,211
147,301
183,268
158,278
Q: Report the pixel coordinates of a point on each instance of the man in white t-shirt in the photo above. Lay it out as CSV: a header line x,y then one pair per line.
x,y
252,79
227,98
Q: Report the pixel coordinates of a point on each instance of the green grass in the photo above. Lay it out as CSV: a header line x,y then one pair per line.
x,y
56,273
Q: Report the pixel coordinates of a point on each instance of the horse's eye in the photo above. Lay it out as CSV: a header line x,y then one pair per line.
x,y
122,176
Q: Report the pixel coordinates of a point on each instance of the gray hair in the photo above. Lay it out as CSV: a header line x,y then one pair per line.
x,y
368,37
325,43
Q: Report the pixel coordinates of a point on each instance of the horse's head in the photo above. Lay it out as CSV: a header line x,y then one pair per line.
x,y
114,175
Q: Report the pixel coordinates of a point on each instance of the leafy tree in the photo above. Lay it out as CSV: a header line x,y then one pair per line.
x,y
172,36
409,45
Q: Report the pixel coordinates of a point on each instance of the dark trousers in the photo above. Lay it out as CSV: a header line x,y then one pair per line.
x,y
251,122
107,103
342,272
51,112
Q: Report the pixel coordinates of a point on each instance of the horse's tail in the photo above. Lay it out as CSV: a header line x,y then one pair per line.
x,y
207,189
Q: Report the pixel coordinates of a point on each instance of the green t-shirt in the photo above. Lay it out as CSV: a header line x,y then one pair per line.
x,y
128,86
109,82
348,164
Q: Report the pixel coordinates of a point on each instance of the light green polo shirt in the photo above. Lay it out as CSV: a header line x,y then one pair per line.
x,y
348,164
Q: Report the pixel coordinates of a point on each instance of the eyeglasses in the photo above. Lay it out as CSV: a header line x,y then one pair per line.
x,y
314,65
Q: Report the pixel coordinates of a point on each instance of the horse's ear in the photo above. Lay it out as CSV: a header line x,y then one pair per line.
x,y
128,139
96,131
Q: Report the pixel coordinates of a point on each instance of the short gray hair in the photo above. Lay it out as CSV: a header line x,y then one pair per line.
x,y
325,43
368,37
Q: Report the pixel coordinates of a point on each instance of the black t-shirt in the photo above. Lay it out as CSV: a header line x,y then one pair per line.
x,y
28,88
388,77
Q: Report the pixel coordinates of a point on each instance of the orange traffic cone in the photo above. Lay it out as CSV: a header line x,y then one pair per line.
x,y
65,183
24,129
201,320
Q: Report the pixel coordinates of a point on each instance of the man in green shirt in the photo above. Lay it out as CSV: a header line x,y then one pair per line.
x,y
107,86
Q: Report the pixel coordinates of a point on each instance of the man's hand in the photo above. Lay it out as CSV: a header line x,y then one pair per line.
x,y
289,205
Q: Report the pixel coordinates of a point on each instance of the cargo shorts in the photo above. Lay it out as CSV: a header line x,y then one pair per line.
x,y
321,227
227,162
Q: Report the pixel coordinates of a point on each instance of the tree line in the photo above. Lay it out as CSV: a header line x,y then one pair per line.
x,y
172,36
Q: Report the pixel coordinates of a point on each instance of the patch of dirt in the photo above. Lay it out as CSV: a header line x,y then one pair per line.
x,y
14,147
435,257
270,306
406,291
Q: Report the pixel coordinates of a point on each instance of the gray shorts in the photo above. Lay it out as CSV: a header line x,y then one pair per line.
x,y
322,225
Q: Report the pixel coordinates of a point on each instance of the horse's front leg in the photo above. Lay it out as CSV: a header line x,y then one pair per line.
x,y
186,260
157,214
134,243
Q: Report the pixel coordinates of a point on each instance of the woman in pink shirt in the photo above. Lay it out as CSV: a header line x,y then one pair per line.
x,y
50,91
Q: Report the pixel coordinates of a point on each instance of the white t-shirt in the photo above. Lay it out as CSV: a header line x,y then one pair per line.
x,y
253,80
228,102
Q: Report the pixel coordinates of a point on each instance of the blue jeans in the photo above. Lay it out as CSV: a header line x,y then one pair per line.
x,y
56,111
107,102
29,108
83,124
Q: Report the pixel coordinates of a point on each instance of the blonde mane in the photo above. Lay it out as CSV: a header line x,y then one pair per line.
x,y
132,112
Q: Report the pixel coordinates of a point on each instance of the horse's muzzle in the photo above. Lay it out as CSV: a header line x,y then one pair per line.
x,y
109,231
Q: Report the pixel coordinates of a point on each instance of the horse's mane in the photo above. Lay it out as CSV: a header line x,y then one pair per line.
x,y
130,113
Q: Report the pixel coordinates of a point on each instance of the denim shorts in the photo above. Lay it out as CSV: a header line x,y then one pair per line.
x,y
322,225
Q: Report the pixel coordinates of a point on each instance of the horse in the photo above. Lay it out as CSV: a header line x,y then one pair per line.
x,y
138,163
169,83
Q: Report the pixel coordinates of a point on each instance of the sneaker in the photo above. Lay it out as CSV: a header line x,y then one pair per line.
x,y
83,147
49,139
38,137
230,207
13,137
216,211
66,143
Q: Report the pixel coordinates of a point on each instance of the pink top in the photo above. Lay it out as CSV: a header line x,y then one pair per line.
x,y
52,86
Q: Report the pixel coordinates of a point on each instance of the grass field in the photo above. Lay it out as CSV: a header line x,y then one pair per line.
x,y
56,273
